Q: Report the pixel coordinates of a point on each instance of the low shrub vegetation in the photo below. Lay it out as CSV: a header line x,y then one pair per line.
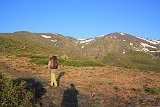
x,y
14,94
133,60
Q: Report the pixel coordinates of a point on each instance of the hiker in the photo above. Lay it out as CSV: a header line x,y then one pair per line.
x,y
53,65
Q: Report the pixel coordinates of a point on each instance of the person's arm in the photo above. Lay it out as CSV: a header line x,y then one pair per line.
x,y
49,63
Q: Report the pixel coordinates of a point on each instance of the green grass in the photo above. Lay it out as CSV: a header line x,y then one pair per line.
x,y
154,90
81,63
133,60
43,60
39,60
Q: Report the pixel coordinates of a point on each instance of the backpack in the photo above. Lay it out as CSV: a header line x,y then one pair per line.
x,y
53,63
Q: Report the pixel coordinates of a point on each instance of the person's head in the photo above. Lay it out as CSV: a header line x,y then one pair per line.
x,y
54,57
72,85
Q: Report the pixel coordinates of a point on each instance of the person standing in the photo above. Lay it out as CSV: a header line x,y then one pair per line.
x,y
53,65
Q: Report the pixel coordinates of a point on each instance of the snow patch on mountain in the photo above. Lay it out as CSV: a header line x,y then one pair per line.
x,y
55,33
84,40
102,35
146,45
124,51
121,33
54,40
115,37
154,51
82,47
145,50
80,39
45,36
155,42
131,44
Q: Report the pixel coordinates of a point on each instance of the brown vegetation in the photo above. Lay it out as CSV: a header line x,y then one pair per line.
x,y
97,86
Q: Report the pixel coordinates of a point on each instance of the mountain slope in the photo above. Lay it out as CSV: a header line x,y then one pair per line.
x,y
93,48
98,47
119,49
25,43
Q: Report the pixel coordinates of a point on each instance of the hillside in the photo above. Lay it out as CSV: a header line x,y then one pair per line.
x,y
116,69
118,42
118,49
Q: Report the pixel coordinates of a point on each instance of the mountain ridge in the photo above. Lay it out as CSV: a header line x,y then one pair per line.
x,y
116,41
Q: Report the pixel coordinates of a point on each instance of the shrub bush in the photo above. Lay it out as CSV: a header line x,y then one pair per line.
x,y
154,90
14,94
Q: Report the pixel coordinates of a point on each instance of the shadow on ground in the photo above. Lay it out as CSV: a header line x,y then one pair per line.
x,y
70,97
59,77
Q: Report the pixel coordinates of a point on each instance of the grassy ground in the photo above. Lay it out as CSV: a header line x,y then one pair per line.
x,y
96,86
25,45
133,60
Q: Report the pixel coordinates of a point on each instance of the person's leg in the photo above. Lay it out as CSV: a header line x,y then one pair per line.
x,y
53,78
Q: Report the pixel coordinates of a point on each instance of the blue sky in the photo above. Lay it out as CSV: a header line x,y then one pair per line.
x,y
82,18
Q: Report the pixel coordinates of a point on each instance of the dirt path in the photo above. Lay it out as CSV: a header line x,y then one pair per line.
x,y
88,86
